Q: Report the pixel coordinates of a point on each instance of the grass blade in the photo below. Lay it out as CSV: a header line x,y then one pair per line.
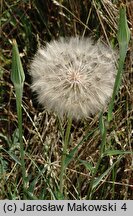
x,y
116,152
66,142
70,156
99,179
103,130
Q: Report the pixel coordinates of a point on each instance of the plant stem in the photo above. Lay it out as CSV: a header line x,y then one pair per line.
x,y
63,166
19,113
18,77
103,130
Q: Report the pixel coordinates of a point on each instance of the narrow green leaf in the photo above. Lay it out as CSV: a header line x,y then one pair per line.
x,y
70,156
123,40
123,33
88,166
103,131
116,152
30,195
14,157
101,124
99,179
18,77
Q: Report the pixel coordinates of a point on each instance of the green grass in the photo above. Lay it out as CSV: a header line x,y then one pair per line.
x,y
42,157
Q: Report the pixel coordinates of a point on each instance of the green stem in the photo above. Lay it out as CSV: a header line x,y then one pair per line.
x,y
63,167
19,113
103,134
18,77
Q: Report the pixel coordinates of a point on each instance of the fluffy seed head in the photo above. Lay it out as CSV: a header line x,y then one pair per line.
x,y
73,76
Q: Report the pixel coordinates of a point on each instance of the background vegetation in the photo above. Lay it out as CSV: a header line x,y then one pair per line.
x,y
33,23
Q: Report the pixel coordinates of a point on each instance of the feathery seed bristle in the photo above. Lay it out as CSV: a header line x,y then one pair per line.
x,y
74,76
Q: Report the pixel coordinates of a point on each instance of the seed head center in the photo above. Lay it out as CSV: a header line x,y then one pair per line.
x,y
74,77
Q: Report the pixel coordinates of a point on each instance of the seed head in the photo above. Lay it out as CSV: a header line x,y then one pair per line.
x,y
73,76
